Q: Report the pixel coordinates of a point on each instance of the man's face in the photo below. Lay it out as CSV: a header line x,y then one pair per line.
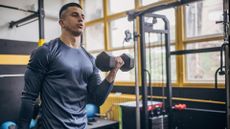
x,y
72,20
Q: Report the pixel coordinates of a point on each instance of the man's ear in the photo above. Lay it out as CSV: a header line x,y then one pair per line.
x,y
61,23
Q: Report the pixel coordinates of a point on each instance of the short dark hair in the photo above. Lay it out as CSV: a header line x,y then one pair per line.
x,y
66,6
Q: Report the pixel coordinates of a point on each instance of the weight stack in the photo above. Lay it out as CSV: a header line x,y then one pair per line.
x,y
128,111
158,122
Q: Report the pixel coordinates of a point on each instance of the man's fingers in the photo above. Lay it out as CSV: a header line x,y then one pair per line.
x,y
119,62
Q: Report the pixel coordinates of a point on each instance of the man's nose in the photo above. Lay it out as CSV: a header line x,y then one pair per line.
x,y
81,19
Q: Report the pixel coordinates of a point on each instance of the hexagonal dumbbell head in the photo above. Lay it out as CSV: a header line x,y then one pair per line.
x,y
128,62
105,61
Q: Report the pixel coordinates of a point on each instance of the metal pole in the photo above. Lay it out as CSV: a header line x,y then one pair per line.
x,y
135,37
227,84
41,17
168,74
227,58
133,14
16,23
15,8
145,124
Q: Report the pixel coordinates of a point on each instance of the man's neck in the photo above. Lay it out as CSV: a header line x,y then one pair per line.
x,y
71,41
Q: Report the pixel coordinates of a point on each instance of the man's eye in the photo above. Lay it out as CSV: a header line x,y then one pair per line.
x,y
75,15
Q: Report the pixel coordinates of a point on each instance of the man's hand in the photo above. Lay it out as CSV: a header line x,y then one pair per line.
x,y
118,63
112,74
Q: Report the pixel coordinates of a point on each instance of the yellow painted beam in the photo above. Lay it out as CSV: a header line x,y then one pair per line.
x,y
191,100
106,26
14,59
204,39
114,95
120,83
180,45
93,22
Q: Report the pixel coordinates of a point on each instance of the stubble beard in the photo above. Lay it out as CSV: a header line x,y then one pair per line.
x,y
74,32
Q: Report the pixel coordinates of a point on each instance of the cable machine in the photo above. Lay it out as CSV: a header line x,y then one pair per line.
x,y
146,27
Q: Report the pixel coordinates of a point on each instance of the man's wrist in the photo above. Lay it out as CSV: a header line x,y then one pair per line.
x,y
112,74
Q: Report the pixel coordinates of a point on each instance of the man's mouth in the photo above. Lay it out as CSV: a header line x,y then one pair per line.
x,y
80,26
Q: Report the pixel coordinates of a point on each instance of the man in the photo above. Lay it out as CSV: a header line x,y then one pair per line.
x,y
66,77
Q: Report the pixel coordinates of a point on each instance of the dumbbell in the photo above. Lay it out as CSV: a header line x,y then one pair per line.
x,y
105,62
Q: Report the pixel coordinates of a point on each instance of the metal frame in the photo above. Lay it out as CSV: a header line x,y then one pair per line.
x,y
132,14
227,84
191,51
41,17
143,27
40,14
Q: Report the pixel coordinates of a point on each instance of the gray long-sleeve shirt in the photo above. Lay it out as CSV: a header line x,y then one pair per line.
x,y
65,78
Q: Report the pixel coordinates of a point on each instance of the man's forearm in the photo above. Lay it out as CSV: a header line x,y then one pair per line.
x,y
25,114
111,76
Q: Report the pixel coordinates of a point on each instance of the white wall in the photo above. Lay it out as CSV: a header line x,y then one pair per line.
x,y
30,32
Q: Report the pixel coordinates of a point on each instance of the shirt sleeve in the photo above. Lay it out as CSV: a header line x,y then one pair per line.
x,y
34,75
98,90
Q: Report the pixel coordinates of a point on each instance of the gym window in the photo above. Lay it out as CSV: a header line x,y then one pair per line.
x,y
116,6
93,9
157,66
117,45
201,67
117,28
97,32
199,30
201,18
202,31
147,2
